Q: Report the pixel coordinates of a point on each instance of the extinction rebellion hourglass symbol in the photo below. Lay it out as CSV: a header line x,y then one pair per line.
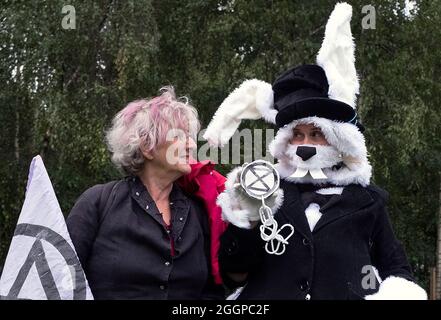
x,y
260,180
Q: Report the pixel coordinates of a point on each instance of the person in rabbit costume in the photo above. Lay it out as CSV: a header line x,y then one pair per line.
x,y
343,245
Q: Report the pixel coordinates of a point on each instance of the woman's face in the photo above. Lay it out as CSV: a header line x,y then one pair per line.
x,y
175,155
308,134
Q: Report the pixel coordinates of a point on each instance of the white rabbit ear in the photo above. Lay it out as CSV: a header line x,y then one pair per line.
x,y
336,56
252,100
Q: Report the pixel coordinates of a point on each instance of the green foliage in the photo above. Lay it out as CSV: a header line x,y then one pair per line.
x,y
61,88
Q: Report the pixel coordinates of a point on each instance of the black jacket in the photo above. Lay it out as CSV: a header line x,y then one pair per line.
x,y
332,262
126,251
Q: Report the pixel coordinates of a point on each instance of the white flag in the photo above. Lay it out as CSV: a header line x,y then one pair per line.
x,y
42,262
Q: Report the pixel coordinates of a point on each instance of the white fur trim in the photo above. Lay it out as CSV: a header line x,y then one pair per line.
x,y
345,137
336,190
265,103
396,288
233,177
240,218
237,208
336,56
275,201
325,157
341,177
251,100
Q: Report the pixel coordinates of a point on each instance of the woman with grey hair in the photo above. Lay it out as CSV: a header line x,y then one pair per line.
x,y
143,237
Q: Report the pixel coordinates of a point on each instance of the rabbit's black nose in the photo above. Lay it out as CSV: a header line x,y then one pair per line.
x,y
305,152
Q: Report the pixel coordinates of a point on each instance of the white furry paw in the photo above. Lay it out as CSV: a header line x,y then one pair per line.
x,y
240,209
396,288
239,217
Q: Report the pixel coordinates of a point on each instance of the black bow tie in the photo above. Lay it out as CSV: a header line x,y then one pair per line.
x,y
309,197
308,187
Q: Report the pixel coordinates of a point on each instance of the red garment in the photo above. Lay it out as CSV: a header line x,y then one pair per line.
x,y
206,184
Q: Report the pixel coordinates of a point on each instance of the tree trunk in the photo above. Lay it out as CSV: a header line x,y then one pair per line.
x,y
17,136
438,253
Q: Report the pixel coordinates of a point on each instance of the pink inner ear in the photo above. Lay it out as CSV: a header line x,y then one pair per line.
x,y
129,112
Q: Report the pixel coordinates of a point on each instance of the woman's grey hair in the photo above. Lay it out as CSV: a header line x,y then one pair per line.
x,y
146,124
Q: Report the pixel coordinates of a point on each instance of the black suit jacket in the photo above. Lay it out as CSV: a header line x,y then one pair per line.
x,y
332,262
126,254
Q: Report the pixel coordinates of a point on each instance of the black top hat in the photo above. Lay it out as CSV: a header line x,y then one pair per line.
x,y
303,92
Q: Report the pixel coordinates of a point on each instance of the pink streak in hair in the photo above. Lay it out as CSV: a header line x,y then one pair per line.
x,y
129,112
155,105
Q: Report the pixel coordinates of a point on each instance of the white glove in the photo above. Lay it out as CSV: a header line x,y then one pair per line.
x,y
239,208
396,288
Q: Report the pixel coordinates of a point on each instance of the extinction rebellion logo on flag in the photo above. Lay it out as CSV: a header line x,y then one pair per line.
x,y
42,262
37,257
